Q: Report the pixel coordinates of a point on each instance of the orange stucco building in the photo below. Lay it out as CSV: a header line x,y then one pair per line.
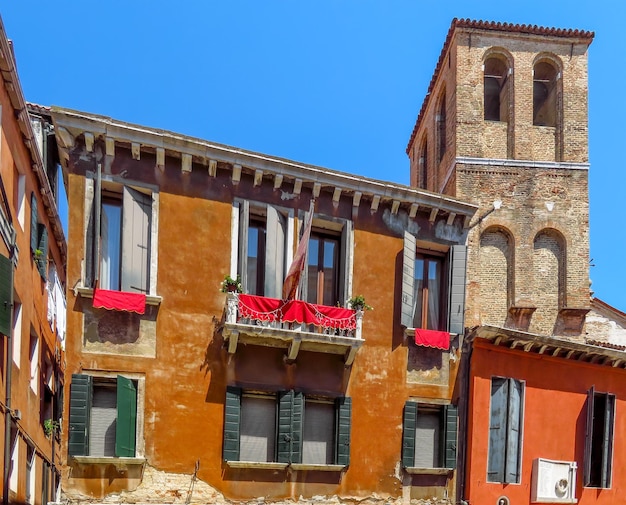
x,y
32,296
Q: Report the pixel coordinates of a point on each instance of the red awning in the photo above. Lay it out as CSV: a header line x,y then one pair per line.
x,y
432,338
119,300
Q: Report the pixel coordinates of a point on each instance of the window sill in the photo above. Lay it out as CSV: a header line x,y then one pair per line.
x,y
428,471
257,465
103,460
88,293
319,468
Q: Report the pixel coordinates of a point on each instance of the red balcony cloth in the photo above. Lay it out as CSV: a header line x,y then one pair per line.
x,y
432,338
295,311
119,300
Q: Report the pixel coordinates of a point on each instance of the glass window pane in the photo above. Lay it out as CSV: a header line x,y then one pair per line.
x,y
110,245
434,294
318,433
418,294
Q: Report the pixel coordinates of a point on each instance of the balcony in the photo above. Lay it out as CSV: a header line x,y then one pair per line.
x,y
293,324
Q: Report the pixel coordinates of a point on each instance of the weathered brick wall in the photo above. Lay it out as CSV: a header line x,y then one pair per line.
x,y
494,277
547,285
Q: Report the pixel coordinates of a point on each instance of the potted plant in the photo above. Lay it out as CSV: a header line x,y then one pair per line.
x,y
50,426
230,285
358,303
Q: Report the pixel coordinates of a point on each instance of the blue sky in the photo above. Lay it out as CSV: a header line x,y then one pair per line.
x,y
333,83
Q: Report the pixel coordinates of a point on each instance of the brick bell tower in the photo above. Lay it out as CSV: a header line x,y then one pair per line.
x,y
504,126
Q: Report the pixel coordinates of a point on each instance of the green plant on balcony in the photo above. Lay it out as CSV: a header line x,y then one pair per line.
x,y
50,426
358,303
230,285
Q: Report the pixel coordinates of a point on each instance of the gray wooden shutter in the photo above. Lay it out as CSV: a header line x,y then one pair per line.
x,y
408,279
607,441
6,290
588,437
126,425
136,225
42,245
34,228
497,429
450,415
343,407
90,240
232,415
409,424
80,411
456,299
304,278
242,257
274,253
345,253
514,432
283,438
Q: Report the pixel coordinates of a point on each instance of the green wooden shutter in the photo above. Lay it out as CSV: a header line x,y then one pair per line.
x,y
80,412
513,432
409,425
297,426
34,228
607,440
232,416
6,290
126,425
450,415
497,429
588,437
343,408
42,261
408,280
456,299
284,427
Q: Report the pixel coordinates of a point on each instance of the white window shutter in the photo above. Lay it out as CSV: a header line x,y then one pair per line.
x,y
408,279
136,226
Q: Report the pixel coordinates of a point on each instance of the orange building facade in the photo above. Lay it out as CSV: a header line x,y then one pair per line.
x,y
32,297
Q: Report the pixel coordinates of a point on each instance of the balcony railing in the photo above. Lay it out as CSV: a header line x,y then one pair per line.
x,y
292,324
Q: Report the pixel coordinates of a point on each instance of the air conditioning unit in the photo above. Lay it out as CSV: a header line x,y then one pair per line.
x,y
553,481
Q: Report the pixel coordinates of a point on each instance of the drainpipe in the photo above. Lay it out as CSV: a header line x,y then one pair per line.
x,y
8,413
466,357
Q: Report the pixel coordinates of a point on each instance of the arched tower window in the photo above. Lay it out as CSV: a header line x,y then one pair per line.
x,y
440,127
544,94
496,90
496,275
423,165
548,279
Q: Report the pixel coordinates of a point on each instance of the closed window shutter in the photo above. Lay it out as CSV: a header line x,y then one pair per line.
x,y
297,426
343,408
409,424
274,253
80,411
34,228
6,289
42,262
588,437
450,433
497,429
126,426
136,225
607,440
514,430
232,416
408,279
283,443
456,303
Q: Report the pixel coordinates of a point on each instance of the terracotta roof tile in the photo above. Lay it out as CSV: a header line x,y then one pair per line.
x,y
607,345
492,26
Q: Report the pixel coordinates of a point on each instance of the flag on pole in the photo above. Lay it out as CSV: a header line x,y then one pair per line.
x,y
290,286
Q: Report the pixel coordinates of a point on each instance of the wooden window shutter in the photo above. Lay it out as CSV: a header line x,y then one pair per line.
x,y
242,258
343,407
6,291
136,227
409,424
80,412
283,439
588,437
408,280
456,300
497,429
93,233
274,253
450,416
126,425
34,223
297,427
607,440
345,251
514,431
42,260
232,416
